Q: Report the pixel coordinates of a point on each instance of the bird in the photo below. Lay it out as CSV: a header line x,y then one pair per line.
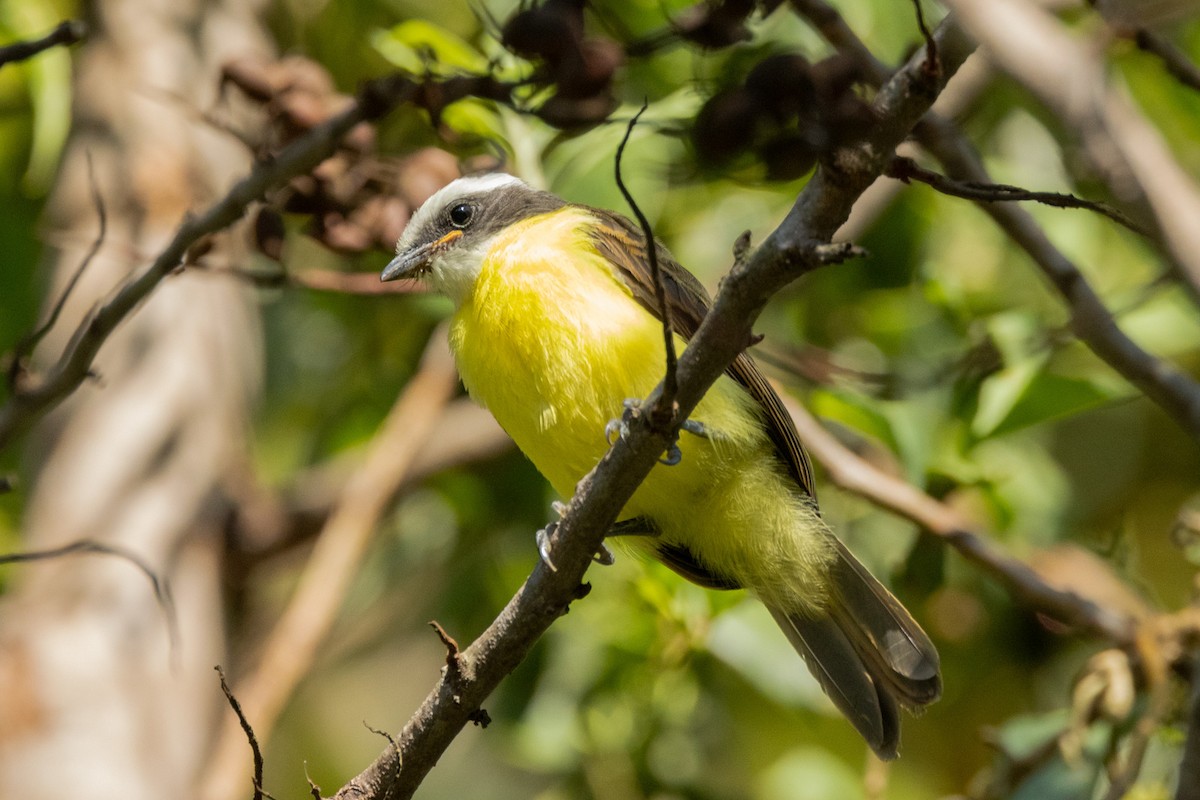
x,y
556,326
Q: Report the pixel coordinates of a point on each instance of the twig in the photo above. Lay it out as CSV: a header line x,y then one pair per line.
x,y
292,646
1172,390
28,343
670,384
1189,767
931,54
162,589
248,730
1122,147
27,405
857,475
785,255
906,170
65,34
1174,59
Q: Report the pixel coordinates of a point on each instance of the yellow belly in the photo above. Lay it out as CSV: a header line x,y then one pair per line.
x,y
553,343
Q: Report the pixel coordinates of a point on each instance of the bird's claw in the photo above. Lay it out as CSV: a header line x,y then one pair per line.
x,y
695,427
620,427
603,556
542,537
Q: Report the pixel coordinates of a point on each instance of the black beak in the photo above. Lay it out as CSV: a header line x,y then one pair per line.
x,y
414,261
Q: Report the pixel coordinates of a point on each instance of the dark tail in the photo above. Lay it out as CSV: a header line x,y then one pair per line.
x,y
867,652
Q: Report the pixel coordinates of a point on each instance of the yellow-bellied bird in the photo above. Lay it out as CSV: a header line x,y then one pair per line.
x,y
556,324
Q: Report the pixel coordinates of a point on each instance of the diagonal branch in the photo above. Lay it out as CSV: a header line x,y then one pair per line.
x,y
857,475
1167,386
293,645
1121,146
907,170
34,397
64,34
791,251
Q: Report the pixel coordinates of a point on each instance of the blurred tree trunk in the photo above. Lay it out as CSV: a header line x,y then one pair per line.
x,y
97,702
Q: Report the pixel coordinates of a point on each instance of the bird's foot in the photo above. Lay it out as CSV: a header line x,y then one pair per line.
x,y
636,526
620,427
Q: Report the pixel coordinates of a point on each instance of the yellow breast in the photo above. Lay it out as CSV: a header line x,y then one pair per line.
x,y
552,342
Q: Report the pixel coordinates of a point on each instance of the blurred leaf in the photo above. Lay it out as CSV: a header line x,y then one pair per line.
x,y
809,774
418,45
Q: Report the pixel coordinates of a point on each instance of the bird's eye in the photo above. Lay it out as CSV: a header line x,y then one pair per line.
x,y
461,214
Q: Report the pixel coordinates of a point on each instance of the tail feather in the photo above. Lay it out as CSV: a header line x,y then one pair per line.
x,y
867,653
885,633
835,663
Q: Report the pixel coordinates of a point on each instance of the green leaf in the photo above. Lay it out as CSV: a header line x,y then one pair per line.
x,y
419,46
1029,397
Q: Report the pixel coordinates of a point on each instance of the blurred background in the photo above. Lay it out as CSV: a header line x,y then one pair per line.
x,y
223,419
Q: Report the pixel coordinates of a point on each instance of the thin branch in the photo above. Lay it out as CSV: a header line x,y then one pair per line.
x,y
246,729
65,34
1189,767
162,589
787,254
859,476
931,53
1171,389
1174,59
907,170
1120,145
294,643
26,346
670,385
28,404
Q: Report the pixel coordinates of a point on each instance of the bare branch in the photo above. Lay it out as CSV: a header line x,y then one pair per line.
x,y
32,401
26,346
162,589
1189,768
1171,389
906,169
65,34
857,475
1174,59
660,290
248,730
292,646
789,252
1121,146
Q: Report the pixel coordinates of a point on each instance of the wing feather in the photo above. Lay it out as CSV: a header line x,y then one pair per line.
x,y
624,247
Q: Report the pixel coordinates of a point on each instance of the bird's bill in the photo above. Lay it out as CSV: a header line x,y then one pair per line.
x,y
415,260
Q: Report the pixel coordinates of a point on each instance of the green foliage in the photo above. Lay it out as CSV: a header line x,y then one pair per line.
x,y
954,367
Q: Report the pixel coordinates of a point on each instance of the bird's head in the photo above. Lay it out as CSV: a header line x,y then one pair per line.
x,y
449,235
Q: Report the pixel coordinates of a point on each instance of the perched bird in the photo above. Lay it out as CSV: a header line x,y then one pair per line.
x,y
556,325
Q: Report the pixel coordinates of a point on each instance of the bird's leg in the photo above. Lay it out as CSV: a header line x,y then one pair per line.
x,y
636,526
633,409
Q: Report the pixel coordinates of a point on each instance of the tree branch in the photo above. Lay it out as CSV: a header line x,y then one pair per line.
x,y
859,476
788,253
33,398
65,34
293,644
1121,146
1171,389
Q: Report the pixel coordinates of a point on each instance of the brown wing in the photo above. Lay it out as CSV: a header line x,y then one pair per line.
x,y
622,243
